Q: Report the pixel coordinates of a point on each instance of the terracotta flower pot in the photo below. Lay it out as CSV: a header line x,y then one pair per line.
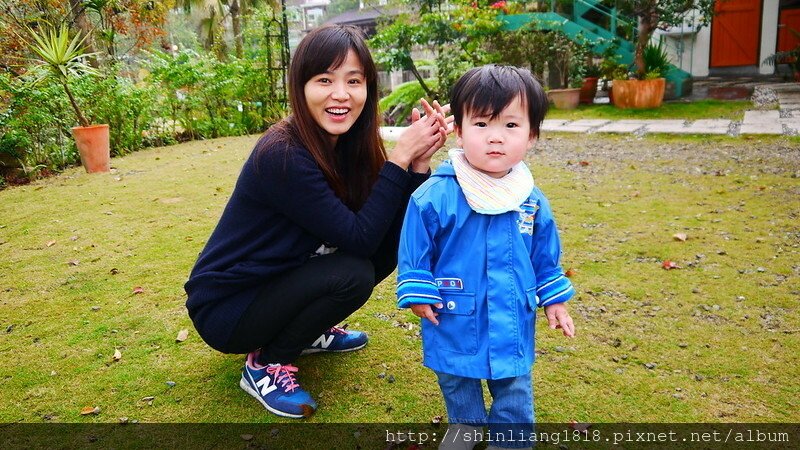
x,y
94,147
564,98
588,90
638,94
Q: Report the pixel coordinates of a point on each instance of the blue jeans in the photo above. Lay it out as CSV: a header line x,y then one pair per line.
x,y
510,417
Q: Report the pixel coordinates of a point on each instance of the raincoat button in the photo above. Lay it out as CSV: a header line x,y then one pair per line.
x,y
451,305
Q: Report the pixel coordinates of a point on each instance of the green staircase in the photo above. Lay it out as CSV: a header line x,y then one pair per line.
x,y
601,26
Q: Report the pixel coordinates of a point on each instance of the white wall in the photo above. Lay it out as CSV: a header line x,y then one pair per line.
x,y
697,53
769,34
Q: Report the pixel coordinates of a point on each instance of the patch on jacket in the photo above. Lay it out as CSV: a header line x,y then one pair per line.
x,y
449,284
527,216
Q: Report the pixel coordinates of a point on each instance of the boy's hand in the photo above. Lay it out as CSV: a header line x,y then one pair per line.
x,y
558,317
426,312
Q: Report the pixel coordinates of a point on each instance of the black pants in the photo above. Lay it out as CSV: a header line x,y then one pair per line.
x,y
294,309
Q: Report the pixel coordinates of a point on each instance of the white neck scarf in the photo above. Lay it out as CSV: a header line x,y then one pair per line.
x,y
488,195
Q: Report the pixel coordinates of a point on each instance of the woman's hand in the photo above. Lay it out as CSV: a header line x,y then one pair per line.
x,y
423,162
421,140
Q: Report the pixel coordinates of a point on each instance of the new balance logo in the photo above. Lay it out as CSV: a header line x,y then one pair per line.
x,y
266,385
323,341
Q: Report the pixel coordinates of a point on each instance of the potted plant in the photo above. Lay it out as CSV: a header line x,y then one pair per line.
x,y
589,87
567,59
790,57
62,58
654,14
646,92
651,15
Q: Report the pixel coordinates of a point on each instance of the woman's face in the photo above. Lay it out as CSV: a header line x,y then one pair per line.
x,y
336,97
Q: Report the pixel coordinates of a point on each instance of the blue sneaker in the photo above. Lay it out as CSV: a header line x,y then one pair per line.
x,y
275,387
338,339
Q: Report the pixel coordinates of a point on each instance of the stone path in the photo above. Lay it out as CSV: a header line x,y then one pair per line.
x,y
783,121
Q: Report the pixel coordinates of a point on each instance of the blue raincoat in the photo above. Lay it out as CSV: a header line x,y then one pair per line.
x,y
490,272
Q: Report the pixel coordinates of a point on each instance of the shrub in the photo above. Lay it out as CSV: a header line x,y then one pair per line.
x,y
397,106
35,125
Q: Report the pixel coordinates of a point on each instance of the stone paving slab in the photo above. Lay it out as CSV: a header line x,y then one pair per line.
x,y
621,126
589,122
792,124
581,126
761,116
552,124
711,123
391,133
761,128
755,122
703,130
664,126
708,126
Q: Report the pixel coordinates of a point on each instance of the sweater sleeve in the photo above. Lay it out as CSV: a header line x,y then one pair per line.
x,y
292,183
415,282
388,247
552,286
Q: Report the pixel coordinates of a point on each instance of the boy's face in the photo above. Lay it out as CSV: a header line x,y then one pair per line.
x,y
495,146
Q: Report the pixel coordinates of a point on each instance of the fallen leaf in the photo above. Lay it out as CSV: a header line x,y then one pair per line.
x,y
182,335
570,272
51,243
246,437
138,290
577,426
680,237
584,163
114,271
73,238
147,399
73,262
667,265
87,410
117,355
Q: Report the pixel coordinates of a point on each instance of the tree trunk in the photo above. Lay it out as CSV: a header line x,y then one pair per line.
x,y
647,24
236,20
81,119
417,75
81,22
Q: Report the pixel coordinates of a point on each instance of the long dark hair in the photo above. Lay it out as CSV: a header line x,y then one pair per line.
x,y
351,166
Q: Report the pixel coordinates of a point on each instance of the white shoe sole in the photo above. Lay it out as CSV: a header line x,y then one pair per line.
x,y
310,351
246,387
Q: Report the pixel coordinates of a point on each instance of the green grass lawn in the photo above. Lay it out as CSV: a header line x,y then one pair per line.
x,y
702,109
93,264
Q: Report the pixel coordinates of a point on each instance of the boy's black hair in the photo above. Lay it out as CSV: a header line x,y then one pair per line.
x,y
489,89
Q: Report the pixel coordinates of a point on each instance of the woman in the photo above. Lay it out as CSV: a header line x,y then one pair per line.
x,y
313,222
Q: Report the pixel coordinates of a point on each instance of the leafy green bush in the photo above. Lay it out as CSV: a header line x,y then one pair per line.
x,y
35,124
210,98
127,108
656,61
397,106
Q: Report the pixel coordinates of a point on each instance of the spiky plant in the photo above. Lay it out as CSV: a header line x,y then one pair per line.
x,y
61,58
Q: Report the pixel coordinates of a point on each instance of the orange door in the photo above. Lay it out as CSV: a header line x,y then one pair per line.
x,y
790,18
735,33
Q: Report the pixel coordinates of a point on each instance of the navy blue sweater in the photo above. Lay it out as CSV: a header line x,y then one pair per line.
x,y
281,210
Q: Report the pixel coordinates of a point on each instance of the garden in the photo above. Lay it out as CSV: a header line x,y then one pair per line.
x,y
684,251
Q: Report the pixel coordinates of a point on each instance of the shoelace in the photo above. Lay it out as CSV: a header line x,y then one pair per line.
x,y
284,374
338,330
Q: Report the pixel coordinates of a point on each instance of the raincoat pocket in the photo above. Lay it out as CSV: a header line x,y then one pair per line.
x,y
533,299
457,330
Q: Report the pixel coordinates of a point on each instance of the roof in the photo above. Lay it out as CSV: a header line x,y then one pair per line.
x,y
357,16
